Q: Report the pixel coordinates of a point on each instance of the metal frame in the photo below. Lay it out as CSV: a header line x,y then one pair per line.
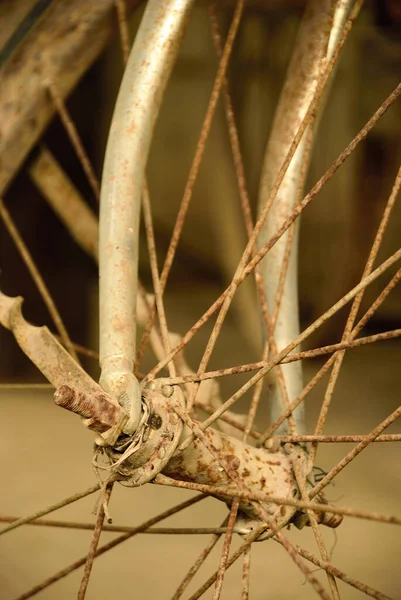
x,y
148,69
279,268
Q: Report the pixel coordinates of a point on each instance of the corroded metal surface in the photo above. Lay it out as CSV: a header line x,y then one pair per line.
x,y
100,414
298,90
259,470
218,460
148,69
138,461
43,349
77,390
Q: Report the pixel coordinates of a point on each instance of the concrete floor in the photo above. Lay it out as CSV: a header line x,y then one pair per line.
x,y
46,456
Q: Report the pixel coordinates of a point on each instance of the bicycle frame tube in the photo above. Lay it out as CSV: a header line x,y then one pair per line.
x,y
148,69
298,91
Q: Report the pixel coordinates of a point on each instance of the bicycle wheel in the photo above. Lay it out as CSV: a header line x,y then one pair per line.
x,y
253,513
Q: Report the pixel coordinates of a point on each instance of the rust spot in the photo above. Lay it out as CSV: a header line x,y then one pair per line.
x,y
97,407
233,461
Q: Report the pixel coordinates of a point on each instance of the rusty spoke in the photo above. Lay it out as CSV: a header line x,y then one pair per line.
x,y
249,540
231,419
292,217
355,451
143,312
260,497
315,352
150,238
286,258
323,370
226,549
330,439
37,278
322,181
82,224
112,544
378,302
262,513
329,568
232,126
292,229
193,173
122,528
246,570
244,547
338,439
354,310
299,465
309,57
49,509
231,521
94,542
249,226
84,351
197,565
307,389
243,268
73,134
257,393
302,337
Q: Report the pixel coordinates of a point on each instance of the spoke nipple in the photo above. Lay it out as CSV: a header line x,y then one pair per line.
x,y
173,418
273,444
167,391
330,520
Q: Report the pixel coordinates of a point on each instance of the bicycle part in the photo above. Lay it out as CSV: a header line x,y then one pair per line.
x,y
150,63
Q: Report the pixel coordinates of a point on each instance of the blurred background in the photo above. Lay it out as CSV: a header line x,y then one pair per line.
x,y
337,230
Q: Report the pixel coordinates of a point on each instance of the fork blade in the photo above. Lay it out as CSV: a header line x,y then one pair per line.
x,y
43,349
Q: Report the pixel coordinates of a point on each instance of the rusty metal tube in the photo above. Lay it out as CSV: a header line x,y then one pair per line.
x,y
307,62
148,69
